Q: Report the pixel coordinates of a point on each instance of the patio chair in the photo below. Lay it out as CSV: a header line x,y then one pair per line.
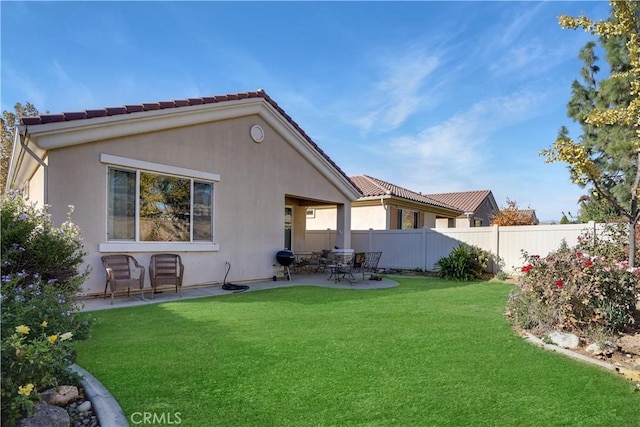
x,y
123,271
165,270
303,262
343,269
370,264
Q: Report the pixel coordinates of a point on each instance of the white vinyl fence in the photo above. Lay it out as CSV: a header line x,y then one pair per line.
x,y
422,248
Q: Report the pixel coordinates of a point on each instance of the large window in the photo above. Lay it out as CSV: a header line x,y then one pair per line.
x,y
407,219
155,207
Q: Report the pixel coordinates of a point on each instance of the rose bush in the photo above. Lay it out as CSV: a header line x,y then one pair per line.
x,y
575,290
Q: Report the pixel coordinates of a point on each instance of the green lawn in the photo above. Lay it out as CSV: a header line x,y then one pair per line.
x,y
428,353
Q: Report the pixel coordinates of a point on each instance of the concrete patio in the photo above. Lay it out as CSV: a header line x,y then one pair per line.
x,y
214,289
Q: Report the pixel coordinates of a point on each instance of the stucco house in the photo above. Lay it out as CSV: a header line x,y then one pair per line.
x,y
385,206
215,179
477,207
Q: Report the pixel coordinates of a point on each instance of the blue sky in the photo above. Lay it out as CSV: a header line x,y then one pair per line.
x,y
432,96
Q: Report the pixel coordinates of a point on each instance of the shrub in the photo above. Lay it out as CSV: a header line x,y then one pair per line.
x,y
36,361
464,263
502,275
41,278
611,242
575,291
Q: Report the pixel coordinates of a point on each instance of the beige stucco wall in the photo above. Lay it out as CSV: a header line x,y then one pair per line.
x,y
429,220
325,218
464,222
445,223
366,217
36,187
362,218
249,200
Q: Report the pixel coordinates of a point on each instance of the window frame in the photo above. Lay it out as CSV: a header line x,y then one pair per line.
x,y
400,219
138,166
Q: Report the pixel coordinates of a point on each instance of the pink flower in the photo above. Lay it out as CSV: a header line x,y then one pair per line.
x,y
579,254
588,263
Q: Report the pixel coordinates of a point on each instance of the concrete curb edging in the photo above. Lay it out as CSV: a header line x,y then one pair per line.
x,y
552,347
103,403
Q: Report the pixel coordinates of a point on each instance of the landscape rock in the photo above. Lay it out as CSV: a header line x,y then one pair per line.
x,y
84,406
605,349
46,416
630,344
564,340
60,396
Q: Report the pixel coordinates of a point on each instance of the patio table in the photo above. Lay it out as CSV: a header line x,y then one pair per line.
x,y
338,270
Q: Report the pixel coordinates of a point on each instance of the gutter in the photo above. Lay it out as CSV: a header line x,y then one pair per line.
x,y
22,137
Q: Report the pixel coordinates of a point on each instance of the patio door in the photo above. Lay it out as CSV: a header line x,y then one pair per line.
x,y
288,227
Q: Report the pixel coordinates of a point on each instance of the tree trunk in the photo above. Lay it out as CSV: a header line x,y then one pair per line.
x,y
632,244
634,215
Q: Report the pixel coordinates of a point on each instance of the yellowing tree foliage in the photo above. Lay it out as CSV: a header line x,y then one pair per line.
x,y
512,215
583,163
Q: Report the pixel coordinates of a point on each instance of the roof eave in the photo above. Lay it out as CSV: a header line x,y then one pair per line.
x,y
75,132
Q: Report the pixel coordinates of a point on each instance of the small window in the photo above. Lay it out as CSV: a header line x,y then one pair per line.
x,y
477,223
407,219
311,213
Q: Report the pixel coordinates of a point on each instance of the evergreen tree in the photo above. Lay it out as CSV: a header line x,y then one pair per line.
x,y
606,158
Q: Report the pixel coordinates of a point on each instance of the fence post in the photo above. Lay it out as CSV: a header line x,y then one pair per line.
x,y
496,247
370,243
424,248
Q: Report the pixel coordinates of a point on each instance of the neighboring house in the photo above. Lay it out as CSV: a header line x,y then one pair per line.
x,y
215,179
530,215
385,206
477,206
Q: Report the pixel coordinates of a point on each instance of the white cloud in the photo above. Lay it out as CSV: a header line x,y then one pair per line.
x,y
520,23
32,93
452,155
396,95
79,96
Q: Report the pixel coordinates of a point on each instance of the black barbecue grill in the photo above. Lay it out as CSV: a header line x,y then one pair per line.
x,y
285,258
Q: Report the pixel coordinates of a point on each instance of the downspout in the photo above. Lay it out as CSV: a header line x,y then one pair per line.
x,y
45,167
387,220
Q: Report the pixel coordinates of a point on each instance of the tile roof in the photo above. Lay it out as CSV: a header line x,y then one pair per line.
x,y
150,106
179,103
374,187
466,201
529,214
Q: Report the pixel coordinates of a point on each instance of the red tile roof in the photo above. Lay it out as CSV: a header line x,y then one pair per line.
x,y
179,103
374,187
136,108
466,201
